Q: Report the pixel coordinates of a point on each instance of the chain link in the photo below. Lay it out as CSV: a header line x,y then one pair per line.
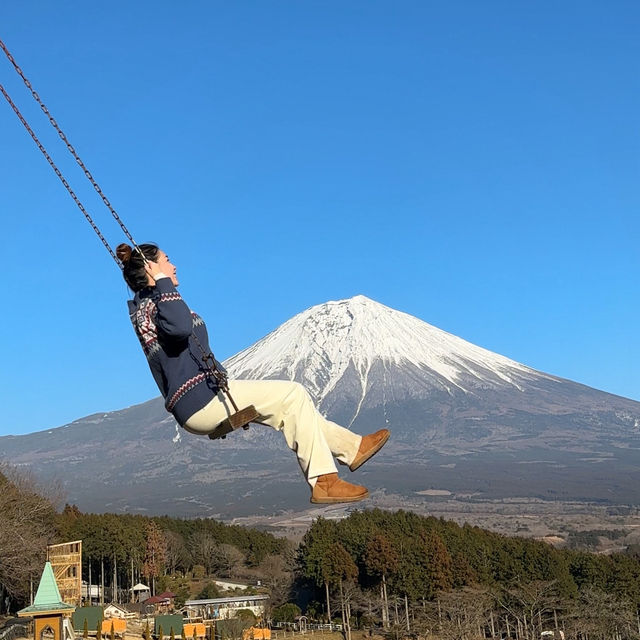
x,y
59,174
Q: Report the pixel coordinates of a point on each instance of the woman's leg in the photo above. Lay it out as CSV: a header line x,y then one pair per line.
x,y
287,407
344,444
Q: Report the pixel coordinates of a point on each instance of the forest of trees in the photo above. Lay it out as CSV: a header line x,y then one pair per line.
x,y
169,553
416,574
120,550
397,571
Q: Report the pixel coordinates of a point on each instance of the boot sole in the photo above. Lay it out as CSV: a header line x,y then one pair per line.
x,y
357,464
332,500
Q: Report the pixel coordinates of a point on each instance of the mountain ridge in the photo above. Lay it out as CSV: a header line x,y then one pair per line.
x,y
460,415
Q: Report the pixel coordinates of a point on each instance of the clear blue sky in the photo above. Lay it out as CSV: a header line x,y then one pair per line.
x,y
475,164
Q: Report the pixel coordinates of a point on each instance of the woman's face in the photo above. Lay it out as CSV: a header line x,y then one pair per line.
x,y
166,267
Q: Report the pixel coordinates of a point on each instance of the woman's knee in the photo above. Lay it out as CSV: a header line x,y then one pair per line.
x,y
296,393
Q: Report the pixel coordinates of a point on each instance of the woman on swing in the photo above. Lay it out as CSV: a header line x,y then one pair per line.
x,y
172,337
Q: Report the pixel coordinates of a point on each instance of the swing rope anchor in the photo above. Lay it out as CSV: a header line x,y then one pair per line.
x,y
239,417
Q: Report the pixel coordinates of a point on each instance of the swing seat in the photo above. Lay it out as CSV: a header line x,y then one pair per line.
x,y
240,418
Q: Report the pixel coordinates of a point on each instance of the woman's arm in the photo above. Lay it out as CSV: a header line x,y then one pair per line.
x,y
173,316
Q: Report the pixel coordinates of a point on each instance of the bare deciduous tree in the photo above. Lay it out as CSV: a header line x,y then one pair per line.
x,y
26,527
202,546
277,577
226,559
177,556
532,606
155,553
599,615
456,615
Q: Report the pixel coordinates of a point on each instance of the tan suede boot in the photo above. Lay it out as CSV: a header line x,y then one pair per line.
x,y
329,489
369,446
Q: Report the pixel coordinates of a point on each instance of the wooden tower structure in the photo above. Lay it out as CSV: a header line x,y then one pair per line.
x,y
66,562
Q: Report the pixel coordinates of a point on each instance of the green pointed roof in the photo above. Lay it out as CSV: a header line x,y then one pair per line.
x,y
48,592
48,595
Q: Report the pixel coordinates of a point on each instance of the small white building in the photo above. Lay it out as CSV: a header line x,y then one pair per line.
x,y
140,592
90,593
118,611
224,608
225,585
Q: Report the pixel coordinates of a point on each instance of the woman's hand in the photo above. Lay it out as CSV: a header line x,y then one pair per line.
x,y
153,269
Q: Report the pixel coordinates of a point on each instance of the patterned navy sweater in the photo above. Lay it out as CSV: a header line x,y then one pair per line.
x,y
165,327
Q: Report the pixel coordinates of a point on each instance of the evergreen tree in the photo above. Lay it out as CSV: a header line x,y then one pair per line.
x,y
381,559
437,564
210,590
313,555
340,568
463,574
286,613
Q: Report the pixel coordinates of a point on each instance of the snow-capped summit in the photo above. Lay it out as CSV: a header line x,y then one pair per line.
x,y
321,345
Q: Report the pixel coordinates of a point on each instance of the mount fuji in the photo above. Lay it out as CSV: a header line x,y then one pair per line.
x,y
464,420
357,356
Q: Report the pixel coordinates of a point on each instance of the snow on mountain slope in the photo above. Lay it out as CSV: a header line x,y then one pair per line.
x,y
318,346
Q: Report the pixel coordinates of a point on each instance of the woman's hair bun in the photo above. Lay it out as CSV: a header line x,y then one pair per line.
x,y
123,251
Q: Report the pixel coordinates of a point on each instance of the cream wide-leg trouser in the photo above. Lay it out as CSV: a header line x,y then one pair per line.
x,y
286,406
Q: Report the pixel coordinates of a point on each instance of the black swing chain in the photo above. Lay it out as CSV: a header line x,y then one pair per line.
x,y
211,368
72,151
59,174
208,359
